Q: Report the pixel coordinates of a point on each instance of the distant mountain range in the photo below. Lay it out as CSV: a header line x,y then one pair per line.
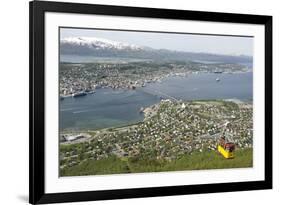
x,y
98,47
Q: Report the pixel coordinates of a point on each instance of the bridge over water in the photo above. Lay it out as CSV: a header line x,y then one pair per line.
x,y
159,93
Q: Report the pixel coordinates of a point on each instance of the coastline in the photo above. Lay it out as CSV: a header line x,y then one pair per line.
x,y
175,131
147,114
156,79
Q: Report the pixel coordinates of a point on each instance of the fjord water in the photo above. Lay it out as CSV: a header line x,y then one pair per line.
x,y
112,108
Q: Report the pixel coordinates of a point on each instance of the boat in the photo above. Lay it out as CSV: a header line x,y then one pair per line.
x,y
217,79
79,94
141,110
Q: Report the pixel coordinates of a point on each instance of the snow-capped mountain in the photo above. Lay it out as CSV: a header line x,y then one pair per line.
x,y
99,43
99,47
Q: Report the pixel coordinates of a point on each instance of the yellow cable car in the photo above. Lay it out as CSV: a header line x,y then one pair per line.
x,y
226,153
226,149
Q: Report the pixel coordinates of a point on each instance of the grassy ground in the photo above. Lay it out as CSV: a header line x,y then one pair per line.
x,y
196,161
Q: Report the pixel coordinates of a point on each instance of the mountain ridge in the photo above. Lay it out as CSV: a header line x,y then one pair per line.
x,y
101,47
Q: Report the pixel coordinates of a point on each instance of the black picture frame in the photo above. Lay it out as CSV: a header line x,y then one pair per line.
x,y
37,9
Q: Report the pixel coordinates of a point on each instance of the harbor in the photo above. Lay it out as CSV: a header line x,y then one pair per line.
x,y
109,107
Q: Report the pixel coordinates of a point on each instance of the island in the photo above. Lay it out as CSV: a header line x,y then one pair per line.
x,y
174,135
83,78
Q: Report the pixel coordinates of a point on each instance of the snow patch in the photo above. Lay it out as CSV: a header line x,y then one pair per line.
x,y
99,43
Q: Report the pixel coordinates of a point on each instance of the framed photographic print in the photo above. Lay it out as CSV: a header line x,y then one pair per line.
x,y
140,102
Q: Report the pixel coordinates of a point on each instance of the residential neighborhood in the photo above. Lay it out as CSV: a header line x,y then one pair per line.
x,y
86,77
169,130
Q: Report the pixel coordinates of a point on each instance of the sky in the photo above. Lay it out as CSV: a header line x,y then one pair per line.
x,y
228,45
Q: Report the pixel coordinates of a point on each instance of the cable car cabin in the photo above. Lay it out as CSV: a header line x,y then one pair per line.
x,y
226,148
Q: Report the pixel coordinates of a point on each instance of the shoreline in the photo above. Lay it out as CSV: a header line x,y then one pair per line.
x,y
131,125
155,80
170,130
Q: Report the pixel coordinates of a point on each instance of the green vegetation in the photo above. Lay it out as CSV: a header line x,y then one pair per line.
x,y
173,136
111,165
196,161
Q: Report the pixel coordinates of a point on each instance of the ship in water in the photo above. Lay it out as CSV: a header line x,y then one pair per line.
x,y
217,71
218,80
79,94
141,110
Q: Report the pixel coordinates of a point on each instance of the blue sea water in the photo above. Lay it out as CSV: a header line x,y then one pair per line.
x,y
111,108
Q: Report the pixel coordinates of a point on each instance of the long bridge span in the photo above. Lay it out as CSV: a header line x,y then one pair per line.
x,y
159,93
